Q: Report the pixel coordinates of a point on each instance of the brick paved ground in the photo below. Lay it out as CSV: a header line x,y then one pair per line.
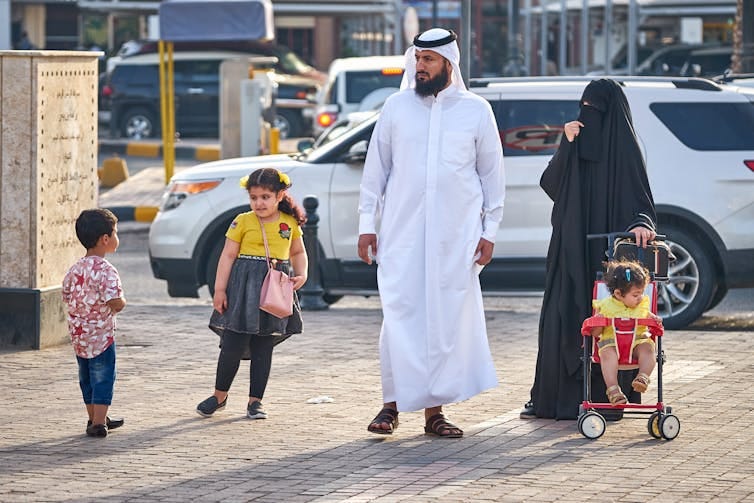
x,y
322,452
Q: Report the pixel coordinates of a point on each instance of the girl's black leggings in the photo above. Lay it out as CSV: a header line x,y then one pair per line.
x,y
233,347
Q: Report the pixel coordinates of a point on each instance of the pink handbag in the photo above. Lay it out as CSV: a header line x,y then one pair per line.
x,y
276,296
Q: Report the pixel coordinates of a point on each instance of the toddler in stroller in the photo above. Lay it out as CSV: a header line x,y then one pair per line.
x,y
627,335
626,281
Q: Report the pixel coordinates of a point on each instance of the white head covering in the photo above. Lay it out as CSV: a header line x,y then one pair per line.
x,y
441,41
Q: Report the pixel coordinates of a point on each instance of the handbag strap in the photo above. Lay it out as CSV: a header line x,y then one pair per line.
x,y
266,246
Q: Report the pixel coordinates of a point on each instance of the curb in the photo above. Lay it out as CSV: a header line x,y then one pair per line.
x,y
202,153
134,213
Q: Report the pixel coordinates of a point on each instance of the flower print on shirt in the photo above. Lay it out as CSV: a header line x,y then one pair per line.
x,y
285,231
88,285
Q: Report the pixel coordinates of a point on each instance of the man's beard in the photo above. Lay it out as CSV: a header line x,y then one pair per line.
x,y
434,85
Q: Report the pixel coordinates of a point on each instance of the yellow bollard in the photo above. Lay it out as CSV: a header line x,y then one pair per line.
x,y
114,170
274,140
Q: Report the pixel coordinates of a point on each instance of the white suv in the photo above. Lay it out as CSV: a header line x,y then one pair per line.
x,y
697,138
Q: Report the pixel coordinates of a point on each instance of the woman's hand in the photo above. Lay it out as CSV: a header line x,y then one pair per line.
x,y
572,129
643,235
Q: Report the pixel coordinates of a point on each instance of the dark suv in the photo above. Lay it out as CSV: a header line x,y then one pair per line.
x,y
133,89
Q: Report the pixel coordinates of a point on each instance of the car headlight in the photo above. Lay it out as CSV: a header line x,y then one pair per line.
x,y
176,192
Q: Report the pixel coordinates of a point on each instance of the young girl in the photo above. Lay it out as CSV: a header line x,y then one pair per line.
x,y
627,281
245,331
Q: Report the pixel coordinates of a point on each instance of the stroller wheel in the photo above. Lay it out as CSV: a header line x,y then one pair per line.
x,y
592,425
653,425
670,427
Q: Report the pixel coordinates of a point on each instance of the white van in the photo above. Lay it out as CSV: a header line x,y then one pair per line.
x,y
357,85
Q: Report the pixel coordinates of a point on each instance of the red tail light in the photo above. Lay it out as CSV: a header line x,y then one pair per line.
x,y
749,164
107,91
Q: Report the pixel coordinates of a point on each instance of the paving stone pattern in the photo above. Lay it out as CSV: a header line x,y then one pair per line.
x,y
322,452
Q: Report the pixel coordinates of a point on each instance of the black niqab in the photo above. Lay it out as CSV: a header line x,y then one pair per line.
x,y
598,184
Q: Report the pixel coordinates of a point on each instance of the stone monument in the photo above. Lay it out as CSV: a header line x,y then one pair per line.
x,y
48,174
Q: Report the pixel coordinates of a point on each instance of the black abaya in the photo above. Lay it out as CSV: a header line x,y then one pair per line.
x,y
596,187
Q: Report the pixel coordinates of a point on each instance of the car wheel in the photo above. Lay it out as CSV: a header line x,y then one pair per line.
x,y
691,281
289,124
138,123
212,259
720,294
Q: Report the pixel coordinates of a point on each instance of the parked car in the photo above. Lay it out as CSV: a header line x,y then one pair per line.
x,y
357,84
697,138
707,62
133,89
103,99
669,60
619,62
287,61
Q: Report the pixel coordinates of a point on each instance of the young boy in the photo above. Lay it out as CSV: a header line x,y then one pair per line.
x,y
93,293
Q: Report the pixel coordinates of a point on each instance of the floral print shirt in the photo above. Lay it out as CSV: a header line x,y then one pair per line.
x,y
88,285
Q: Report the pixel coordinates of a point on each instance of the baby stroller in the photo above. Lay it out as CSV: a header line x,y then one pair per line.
x,y
661,424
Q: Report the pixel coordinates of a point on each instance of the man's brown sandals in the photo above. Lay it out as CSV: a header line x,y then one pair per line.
x,y
386,416
440,426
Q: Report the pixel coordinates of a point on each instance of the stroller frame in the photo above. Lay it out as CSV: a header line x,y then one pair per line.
x,y
662,423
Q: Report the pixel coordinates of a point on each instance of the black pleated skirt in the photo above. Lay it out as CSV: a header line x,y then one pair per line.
x,y
243,316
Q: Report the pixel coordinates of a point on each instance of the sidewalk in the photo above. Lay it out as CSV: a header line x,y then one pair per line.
x,y
138,197
322,452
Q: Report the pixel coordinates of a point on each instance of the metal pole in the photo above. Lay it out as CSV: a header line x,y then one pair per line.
x,y
514,67
543,38
747,36
528,33
397,28
434,13
562,43
466,40
631,39
607,28
310,295
584,35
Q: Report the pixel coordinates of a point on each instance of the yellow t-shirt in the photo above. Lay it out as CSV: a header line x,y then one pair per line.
x,y
245,230
610,307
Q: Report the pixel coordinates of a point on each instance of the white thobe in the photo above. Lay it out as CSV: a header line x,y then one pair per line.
x,y
434,179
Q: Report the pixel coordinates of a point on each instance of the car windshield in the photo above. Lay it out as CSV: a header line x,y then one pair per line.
x,y
343,141
290,62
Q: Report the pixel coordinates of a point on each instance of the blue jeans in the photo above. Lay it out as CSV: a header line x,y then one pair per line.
x,y
97,377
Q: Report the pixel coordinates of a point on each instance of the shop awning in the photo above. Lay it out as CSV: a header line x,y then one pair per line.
x,y
215,20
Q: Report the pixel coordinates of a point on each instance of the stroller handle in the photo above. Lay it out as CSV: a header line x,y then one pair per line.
x,y
613,236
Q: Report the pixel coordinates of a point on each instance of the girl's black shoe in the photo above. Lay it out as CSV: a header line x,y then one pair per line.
x,y
210,406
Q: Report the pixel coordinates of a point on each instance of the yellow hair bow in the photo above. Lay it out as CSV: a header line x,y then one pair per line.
x,y
244,181
285,179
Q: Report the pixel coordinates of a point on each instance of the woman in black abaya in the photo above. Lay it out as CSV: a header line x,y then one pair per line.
x,y
598,183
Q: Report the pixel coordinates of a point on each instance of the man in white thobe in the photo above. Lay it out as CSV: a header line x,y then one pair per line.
x,y
434,178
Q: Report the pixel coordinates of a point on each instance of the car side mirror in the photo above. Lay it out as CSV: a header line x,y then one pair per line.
x,y
305,144
357,153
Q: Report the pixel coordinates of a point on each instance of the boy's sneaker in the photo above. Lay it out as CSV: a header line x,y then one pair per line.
x,y
96,430
112,423
255,411
528,411
210,406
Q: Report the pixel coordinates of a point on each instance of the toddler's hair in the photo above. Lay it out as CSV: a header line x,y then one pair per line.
x,y
623,275
93,224
271,179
